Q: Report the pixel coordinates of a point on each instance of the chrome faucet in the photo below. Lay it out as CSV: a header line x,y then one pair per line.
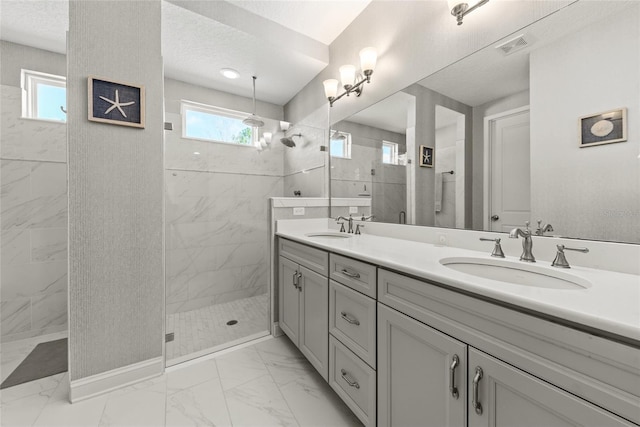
x,y
366,218
527,243
350,220
543,228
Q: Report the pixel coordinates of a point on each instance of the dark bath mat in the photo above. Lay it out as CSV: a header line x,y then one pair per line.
x,y
48,358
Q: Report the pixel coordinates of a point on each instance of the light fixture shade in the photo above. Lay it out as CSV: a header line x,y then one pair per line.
x,y
368,58
284,126
330,88
347,75
267,137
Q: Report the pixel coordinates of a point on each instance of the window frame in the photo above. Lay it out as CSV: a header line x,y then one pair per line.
x,y
394,152
29,81
346,150
215,111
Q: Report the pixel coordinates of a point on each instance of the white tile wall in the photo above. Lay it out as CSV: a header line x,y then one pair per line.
x,y
33,222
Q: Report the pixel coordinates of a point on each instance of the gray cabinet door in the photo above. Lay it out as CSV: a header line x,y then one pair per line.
x,y
314,320
414,374
289,299
507,396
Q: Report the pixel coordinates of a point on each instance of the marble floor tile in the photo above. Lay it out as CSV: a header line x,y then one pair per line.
x,y
197,373
239,367
144,407
201,405
314,403
43,385
265,384
259,403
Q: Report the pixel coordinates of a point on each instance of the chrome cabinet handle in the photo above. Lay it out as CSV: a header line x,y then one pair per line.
x,y
298,281
494,217
347,378
475,402
350,319
452,376
350,273
295,279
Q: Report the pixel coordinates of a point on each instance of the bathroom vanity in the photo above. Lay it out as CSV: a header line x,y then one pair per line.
x,y
404,340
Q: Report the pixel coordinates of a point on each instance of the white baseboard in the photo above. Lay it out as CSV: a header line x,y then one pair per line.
x,y
277,330
121,377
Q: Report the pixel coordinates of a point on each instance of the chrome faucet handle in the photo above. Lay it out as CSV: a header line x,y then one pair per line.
x,y
341,224
366,218
497,249
358,227
561,260
543,228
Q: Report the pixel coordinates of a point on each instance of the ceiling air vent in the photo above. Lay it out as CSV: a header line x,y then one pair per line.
x,y
514,45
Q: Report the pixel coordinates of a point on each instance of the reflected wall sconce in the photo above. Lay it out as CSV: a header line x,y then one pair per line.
x,y
460,8
352,82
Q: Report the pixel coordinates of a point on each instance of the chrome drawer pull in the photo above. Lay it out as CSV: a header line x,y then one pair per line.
x,y
295,279
475,402
347,378
452,376
298,282
350,273
350,319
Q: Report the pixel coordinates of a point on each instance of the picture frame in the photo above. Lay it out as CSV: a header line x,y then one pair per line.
x,y
426,156
115,102
603,128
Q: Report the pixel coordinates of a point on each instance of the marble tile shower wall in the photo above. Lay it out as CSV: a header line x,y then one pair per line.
x,y
304,169
216,219
33,199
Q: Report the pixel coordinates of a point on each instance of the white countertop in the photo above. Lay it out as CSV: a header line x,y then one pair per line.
x,y
611,304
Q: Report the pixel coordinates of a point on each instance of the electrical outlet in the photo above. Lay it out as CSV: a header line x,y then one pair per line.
x,y
441,238
353,209
298,211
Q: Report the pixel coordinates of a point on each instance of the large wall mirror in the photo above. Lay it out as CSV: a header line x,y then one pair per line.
x,y
519,131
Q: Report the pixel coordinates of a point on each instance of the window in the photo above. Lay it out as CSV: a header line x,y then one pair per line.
x,y
389,153
340,145
215,124
44,96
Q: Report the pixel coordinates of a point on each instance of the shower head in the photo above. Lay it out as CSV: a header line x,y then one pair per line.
x,y
288,141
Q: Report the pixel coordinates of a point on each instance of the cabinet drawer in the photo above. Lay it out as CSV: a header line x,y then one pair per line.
x,y
353,380
357,275
312,258
352,319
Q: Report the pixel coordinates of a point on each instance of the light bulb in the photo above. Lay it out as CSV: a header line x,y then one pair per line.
x,y
347,75
368,58
330,88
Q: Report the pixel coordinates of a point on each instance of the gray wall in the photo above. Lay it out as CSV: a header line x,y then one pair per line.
x,y
413,41
425,134
591,192
33,172
116,269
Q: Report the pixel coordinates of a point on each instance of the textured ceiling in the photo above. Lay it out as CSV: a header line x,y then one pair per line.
x,y
321,20
283,43
41,24
390,114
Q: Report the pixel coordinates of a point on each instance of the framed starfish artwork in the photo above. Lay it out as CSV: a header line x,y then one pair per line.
x,y
116,103
426,156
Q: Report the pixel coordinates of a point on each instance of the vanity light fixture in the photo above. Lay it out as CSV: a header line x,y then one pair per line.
x,y
284,126
267,137
352,82
460,8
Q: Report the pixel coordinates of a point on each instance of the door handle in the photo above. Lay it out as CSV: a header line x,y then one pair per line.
x,y
452,376
494,217
475,402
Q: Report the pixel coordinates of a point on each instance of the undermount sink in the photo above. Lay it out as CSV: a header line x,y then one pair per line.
x,y
516,273
329,235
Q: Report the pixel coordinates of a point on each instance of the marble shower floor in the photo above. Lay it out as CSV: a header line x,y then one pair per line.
x,y
264,384
205,330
